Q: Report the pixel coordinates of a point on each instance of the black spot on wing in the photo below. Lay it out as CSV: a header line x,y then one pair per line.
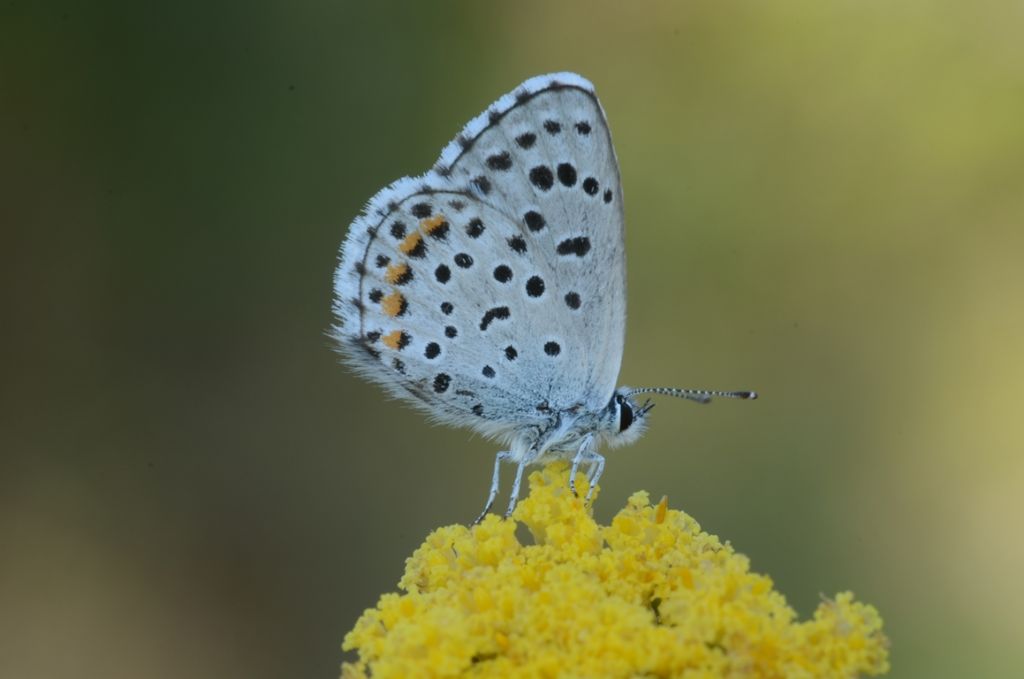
x,y
526,140
517,244
542,177
500,161
534,220
579,246
566,174
498,313
483,184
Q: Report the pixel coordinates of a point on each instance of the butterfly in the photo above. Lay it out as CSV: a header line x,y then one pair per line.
x,y
490,292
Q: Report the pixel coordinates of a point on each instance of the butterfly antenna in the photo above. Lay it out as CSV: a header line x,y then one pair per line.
x,y
698,395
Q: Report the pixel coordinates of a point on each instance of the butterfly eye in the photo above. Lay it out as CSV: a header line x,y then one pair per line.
x,y
625,414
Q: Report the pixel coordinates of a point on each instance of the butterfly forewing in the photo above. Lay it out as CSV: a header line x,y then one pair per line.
x,y
491,291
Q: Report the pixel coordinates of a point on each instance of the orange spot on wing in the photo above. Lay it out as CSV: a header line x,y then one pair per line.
x,y
411,242
393,339
432,224
393,304
396,272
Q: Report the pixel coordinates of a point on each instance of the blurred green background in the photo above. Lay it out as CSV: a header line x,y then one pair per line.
x,y
825,202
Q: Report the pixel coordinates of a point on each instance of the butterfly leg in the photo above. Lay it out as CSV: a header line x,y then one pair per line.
x,y
514,498
596,461
498,459
582,454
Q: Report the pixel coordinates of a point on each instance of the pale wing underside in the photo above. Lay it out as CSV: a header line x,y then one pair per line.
x,y
491,290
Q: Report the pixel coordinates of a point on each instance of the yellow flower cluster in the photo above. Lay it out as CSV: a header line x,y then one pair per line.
x,y
650,595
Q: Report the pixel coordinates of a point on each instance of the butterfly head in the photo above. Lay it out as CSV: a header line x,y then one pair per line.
x,y
625,420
